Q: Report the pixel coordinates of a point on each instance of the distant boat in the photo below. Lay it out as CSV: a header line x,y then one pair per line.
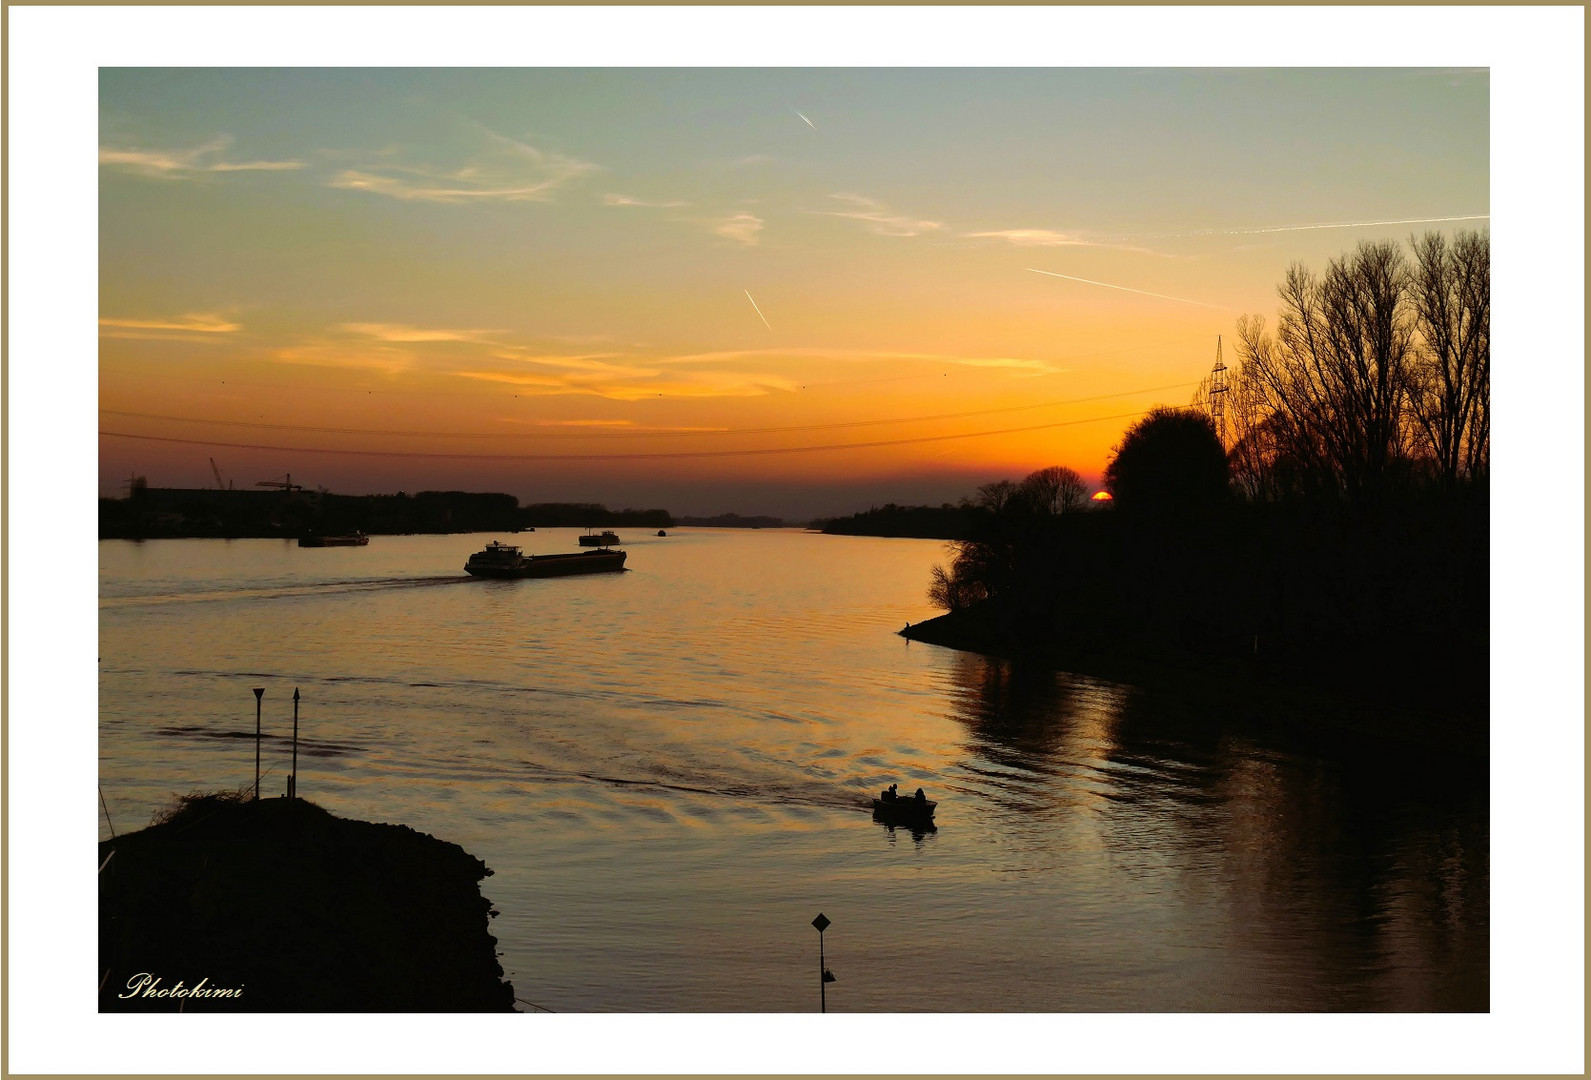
x,y
499,560
357,539
903,809
660,532
604,539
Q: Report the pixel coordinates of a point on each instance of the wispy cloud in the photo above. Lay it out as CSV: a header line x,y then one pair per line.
x,y
398,333
197,324
498,169
742,228
576,423
627,200
1053,238
608,365
692,384
879,218
1022,365
181,164
389,359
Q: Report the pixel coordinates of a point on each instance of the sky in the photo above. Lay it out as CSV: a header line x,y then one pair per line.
x,y
782,291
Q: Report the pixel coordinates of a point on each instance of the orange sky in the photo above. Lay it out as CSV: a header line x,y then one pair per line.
x,y
784,291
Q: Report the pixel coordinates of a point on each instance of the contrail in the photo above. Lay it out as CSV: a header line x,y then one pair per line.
x,y
758,310
803,116
1140,292
1361,224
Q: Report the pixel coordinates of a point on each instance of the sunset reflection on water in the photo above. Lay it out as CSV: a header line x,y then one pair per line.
x,y
670,771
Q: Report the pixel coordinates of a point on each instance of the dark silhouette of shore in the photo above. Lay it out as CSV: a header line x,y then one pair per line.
x,y
169,513
236,905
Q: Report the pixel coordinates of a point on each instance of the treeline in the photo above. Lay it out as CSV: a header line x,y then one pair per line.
x,y
1330,530
590,516
735,521
150,512
943,522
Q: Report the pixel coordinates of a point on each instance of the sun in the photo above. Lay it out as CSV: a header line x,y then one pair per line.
x,y
1103,497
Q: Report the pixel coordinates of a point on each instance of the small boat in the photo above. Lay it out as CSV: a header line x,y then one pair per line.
x,y
605,539
903,809
498,560
660,532
357,539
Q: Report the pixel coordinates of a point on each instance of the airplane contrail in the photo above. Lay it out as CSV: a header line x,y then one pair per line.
x,y
1140,292
758,310
803,116
1361,224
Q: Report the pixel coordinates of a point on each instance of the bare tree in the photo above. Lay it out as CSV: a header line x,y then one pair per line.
x,y
1054,491
1333,381
952,591
996,496
1450,288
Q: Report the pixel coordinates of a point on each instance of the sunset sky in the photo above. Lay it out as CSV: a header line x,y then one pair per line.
x,y
784,291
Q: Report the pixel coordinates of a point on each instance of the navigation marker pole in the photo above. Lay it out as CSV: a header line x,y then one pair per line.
x,y
824,975
259,692
292,779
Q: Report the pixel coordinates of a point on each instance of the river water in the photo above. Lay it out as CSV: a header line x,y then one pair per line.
x,y
669,772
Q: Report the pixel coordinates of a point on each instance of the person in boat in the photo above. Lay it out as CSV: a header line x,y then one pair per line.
x,y
920,797
889,793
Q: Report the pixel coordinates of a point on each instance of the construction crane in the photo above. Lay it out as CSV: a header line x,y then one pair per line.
x,y
220,484
286,484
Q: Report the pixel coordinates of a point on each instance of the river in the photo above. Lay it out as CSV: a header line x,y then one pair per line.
x,y
669,772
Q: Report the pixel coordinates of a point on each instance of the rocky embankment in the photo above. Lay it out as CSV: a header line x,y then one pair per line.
x,y
232,905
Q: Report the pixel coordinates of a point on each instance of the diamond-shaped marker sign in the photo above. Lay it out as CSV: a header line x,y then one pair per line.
x,y
820,922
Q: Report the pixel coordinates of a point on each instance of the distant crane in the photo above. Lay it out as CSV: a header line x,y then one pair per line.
x,y
221,485
286,484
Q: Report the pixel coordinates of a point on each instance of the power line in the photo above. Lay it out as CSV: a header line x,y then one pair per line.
x,y
622,456
631,434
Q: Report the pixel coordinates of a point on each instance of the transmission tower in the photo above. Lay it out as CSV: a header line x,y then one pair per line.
x,y
1218,391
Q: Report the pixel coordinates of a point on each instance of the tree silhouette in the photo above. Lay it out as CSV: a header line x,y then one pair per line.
x,y
1449,393
1334,378
1053,491
1170,463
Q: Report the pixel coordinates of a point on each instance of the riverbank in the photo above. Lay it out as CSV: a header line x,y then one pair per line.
x,y
236,905
1254,690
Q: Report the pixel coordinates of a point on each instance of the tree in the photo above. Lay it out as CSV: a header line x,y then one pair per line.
x,y
952,592
1334,380
1054,491
1170,463
1450,388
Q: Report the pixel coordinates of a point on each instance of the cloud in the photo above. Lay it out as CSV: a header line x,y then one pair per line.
x,y
385,358
587,363
1052,238
187,164
197,324
498,169
742,228
626,200
879,218
673,385
1012,363
395,332
574,423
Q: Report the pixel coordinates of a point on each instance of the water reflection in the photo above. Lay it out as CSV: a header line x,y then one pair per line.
x,y
1331,874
